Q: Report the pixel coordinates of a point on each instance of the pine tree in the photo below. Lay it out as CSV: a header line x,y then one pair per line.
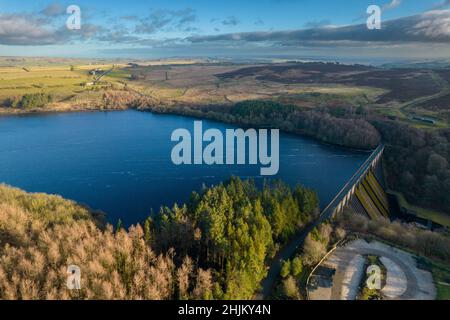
x,y
147,230
285,268
183,277
119,225
296,266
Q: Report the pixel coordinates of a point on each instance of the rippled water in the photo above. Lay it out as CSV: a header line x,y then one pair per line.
x,y
119,162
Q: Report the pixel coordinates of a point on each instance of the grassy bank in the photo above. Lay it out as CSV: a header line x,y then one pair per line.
x,y
424,213
441,277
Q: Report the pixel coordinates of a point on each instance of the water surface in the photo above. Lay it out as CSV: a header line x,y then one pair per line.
x,y
119,162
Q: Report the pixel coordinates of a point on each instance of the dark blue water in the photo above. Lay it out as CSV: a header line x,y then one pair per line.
x,y
119,162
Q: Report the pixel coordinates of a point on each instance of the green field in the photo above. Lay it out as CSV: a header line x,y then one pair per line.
x,y
189,83
438,217
58,80
441,276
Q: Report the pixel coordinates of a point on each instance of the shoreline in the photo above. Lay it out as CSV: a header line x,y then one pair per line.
x,y
167,111
86,113
243,125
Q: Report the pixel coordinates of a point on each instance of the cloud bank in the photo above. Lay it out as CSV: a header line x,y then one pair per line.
x,y
148,31
432,26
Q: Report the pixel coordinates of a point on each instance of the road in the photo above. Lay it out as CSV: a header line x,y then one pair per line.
x,y
411,104
289,250
103,74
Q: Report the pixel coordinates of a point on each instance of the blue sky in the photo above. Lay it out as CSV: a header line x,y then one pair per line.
x,y
166,28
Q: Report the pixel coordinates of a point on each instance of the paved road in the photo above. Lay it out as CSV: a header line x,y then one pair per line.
x,y
290,249
285,253
103,74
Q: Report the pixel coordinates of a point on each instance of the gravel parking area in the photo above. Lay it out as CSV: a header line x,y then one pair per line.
x,y
404,280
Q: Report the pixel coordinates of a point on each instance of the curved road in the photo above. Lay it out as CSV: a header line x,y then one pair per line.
x,y
291,248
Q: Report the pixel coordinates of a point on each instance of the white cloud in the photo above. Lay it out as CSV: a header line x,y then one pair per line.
x,y
431,26
18,29
434,25
392,5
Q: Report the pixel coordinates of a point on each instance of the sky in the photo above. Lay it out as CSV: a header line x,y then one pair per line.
x,y
410,29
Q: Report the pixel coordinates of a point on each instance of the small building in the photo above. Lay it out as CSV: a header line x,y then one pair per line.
x,y
96,72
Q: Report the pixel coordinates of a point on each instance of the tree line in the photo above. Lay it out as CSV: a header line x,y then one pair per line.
x,y
417,163
214,247
232,229
353,131
434,245
416,160
30,101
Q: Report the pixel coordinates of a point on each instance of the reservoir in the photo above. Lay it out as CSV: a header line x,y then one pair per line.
x,y
120,162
